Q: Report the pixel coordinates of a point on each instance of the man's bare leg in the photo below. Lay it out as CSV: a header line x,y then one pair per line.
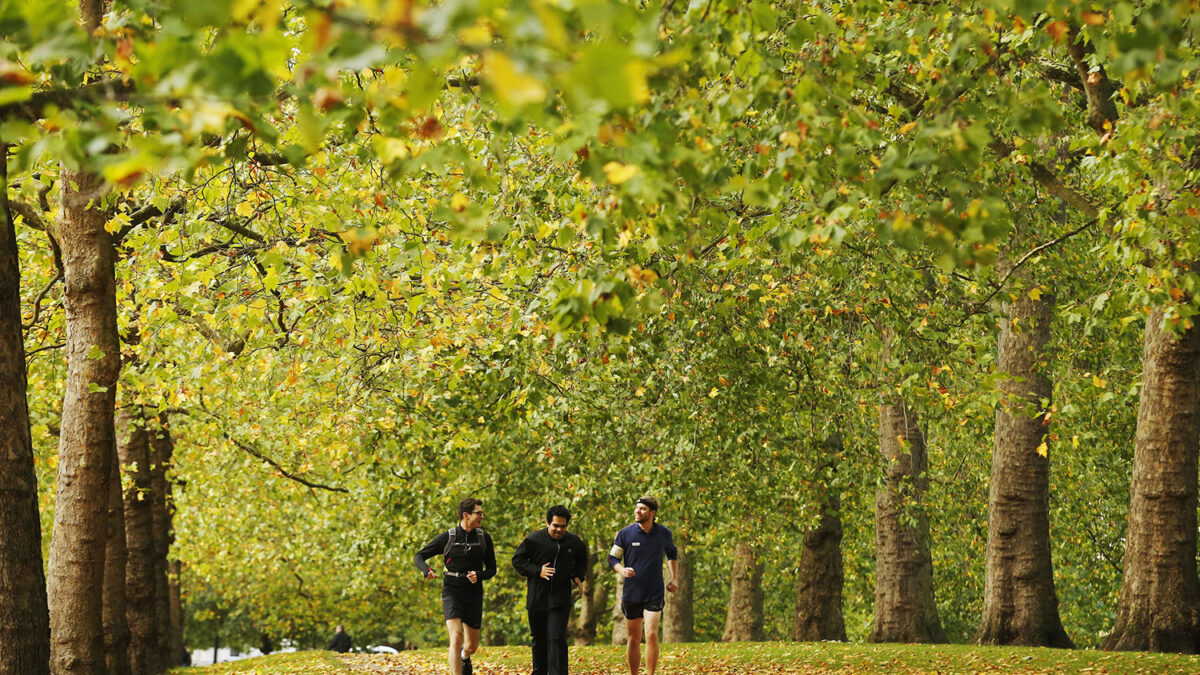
x,y
455,628
652,620
633,645
472,643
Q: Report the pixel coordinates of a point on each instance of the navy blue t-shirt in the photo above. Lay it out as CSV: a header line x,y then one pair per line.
x,y
643,551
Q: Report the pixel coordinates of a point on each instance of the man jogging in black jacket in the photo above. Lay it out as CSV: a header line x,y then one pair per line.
x,y
469,559
552,560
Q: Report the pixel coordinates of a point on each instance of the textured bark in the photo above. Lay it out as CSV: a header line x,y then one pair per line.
x,y
116,627
744,615
133,446
904,605
679,616
24,618
620,631
821,575
1020,606
592,604
162,450
86,440
1159,605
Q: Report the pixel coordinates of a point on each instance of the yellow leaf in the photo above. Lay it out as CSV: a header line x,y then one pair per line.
x,y
511,86
1098,382
1035,293
115,223
713,393
618,173
790,139
908,127
1042,449
459,202
245,209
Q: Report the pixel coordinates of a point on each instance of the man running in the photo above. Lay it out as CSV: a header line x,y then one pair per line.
x,y
637,555
469,559
551,559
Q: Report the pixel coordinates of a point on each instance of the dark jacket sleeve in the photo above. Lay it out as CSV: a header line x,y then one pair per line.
x,y
671,550
522,560
581,560
433,548
489,559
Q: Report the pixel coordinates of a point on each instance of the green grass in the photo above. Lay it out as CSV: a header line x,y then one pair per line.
x,y
740,658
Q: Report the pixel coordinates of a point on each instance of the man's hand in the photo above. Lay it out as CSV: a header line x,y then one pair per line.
x,y
672,586
472,576
547,572
431,574
626,572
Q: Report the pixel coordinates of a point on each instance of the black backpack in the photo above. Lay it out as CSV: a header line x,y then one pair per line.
x,y
454,540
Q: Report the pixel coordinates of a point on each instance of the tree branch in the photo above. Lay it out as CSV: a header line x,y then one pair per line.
x,y
1102,109
34,108
282,471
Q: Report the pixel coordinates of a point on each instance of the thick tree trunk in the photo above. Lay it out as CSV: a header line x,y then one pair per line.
x,y
1020,606
1159,606
821,574
591,605
904,605
162,449
620,631
133,446
116,627
86,441
678,621
24,617
744,616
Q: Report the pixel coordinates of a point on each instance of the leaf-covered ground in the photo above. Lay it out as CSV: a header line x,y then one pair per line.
x,y
738,659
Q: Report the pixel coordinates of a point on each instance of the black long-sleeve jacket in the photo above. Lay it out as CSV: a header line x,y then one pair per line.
x,y
472,551
569,558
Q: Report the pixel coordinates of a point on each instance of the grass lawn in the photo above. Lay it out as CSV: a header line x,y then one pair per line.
x,y
737,659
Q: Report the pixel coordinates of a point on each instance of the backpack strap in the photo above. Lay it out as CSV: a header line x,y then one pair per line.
x,y
450,543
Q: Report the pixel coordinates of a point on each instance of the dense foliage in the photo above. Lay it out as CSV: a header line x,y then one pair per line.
x,y
377,256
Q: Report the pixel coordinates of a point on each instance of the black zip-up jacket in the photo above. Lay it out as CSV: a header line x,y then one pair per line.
x,y
569,558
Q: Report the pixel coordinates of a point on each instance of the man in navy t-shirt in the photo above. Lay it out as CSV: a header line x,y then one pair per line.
x,y
637,556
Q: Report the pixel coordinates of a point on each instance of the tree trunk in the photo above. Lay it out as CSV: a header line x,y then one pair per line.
x,y
1159,606
86,441
904,606
175,657
162,450
1020,606
116,627
620,630
591,606
744,617
678,621
133,446
24,617
821,575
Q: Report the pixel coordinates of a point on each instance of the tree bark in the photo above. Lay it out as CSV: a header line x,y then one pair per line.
x,y
1020,606
1159,605
591,605
133,446
904,604
744,616
24,617
620,631
116,627
821,574
678,622
162,449
175,658
86,439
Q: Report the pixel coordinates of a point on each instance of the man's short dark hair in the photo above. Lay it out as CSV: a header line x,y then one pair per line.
x,y
649,501
557,511
468,505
